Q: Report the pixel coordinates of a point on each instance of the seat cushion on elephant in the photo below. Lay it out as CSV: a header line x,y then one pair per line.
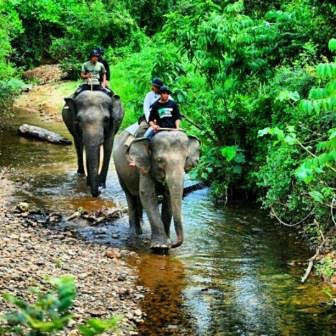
x,y
132,129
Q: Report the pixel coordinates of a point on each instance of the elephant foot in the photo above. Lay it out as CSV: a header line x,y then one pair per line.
x,y
102,185
160,251
95,193
160,244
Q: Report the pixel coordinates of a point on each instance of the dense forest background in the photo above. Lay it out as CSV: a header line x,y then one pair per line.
x,y
258,76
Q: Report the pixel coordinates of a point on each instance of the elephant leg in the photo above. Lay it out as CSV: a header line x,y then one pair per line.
x,y
107,156
148,196
139,211
79,150
166,213
133,215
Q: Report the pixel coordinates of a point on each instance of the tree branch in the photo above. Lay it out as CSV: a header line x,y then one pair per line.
x,y
288,224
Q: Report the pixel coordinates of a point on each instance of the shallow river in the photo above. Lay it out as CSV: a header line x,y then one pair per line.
x,y
232,276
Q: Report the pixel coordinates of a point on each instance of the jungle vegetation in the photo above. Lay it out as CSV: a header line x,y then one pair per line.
x,y
258,76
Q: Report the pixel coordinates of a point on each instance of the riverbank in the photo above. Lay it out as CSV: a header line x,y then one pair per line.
x,y
106,285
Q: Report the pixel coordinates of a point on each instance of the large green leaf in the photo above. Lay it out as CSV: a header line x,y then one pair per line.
x,y
332,44
229,152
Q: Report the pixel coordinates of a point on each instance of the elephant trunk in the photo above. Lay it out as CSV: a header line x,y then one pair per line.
x,y
93,156
175,186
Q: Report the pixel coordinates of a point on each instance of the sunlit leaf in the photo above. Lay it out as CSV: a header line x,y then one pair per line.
x,y
229,152
263,132
332,44
317,196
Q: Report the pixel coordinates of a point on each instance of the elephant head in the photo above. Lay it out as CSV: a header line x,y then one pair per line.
x,y
93,118
166,158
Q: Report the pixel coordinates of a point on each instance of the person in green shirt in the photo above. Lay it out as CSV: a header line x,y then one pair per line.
x,y
94,75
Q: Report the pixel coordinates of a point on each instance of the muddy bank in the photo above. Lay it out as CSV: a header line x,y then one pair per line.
x,y
106,285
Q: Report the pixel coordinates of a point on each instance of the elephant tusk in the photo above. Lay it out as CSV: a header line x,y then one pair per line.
x,y
101,159
84,162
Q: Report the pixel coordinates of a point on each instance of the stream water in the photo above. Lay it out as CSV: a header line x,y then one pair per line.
x,y
232,276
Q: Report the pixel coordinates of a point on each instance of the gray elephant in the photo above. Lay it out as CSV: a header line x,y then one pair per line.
x,y
93,118
161,164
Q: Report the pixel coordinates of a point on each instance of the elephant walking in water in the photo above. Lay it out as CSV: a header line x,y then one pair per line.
x,y
160,168
93,118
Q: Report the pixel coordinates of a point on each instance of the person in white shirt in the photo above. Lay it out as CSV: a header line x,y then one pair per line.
x,y
152,97
138,129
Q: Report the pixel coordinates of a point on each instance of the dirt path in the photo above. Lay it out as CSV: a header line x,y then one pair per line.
x,y
46,99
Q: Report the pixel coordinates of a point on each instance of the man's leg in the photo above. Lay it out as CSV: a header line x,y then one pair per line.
x,y
105,90
149,133
143,127
80,89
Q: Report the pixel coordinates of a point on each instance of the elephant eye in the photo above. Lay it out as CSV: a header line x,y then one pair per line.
x,y
106,119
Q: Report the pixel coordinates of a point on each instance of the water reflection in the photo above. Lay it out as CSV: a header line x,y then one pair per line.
x,y
164,304
239,281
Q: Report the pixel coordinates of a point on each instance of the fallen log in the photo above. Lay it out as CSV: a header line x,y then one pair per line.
x,y
197,186
42,134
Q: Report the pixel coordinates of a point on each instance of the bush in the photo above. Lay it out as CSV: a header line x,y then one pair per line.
x,y
49,313
300,173
9,89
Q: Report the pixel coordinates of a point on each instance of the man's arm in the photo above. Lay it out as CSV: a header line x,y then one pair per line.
x,y
146,106
85,74
153,116
104,81
107,68
176,115
103,75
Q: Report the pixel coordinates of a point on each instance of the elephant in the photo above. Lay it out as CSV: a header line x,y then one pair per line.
x,y
160,166
93,118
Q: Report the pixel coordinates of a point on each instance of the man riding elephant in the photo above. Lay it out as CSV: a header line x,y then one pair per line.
x,y
164,113
94,74
138,129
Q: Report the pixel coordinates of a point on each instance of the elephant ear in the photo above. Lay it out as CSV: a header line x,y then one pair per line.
x,y
69,113
139,153
116,112
193,153
71,105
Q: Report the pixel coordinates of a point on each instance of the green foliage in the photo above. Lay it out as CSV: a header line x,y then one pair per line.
x,y
326,267
240,60
309,166
49,313
8,90
150,14
97,327
131,78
